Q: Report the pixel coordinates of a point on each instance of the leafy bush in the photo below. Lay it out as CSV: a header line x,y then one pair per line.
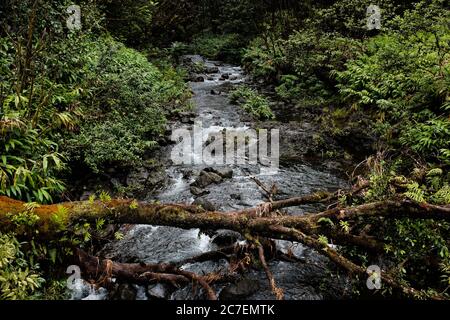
x,y
28,163
260,60
431,139
129,100
39,98
19,279
302,64
225,47
403,78
312,57
252,102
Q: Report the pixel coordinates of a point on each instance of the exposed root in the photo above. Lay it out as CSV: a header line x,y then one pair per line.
x,y
278,292
103,270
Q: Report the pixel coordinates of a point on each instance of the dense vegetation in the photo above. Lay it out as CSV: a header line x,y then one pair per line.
x,y
88,99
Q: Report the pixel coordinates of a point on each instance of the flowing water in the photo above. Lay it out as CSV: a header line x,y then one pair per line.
x,y
308,279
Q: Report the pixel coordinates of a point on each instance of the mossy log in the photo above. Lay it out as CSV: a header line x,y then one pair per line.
x,y
252,222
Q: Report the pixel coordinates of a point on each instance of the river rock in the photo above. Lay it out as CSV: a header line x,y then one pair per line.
x,y
198,79
212,69
198,192
187,173
157,292
145,179
138,176
225,173
236,196
186,117
205,204
224,238
225,76
125,291
240,290
205,179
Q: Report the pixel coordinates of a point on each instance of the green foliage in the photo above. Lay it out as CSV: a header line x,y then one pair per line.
x,y
312,56
412,98
345,226
442,196
415,238
28,165
134,205
252,102
225,47
431,138
104,196
301,64
42,82
129,20
260,60
323,240
130,98
119,235
18,278
415,192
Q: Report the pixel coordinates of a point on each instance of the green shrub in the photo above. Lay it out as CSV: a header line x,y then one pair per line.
x,y
431,139
28,163
252,102
260,60
302,64
19,279
129,100
225,47
312,57
403,78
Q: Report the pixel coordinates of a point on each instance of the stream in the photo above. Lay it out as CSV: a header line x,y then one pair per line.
x,y
309,279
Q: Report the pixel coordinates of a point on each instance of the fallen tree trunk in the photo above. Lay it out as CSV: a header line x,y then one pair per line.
x,y
302,229
188,217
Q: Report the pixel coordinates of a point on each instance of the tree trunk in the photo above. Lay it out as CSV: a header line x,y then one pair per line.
x,y
249,222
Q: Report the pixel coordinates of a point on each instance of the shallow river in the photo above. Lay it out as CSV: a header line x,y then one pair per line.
x,y
308,279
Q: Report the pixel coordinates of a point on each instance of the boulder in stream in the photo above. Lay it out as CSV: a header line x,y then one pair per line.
x,y
224,238
212,69
225,173
158,291
198,192
239,290
198,79
205,179
124,291
205,204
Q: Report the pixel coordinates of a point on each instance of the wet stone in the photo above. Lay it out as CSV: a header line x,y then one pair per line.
x,y
224,238
205,204
157,291
212,69
198,79
125,291
205,179
225,173
198,191
240,290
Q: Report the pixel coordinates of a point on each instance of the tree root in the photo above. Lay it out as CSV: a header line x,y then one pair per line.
x,y
103,270
276,291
